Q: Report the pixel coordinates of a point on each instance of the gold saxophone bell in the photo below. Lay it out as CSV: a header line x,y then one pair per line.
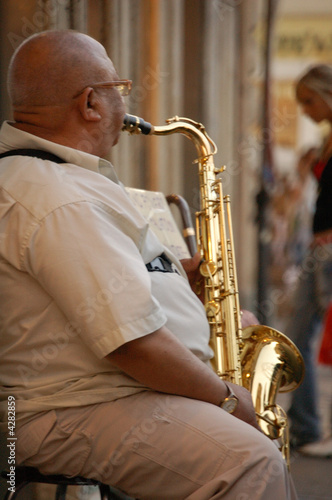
x,y
259,358
271,363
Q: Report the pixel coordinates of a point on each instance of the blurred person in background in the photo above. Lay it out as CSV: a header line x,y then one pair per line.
x,y
314,290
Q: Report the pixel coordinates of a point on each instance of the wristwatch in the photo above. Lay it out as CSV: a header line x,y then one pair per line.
x,y
230,403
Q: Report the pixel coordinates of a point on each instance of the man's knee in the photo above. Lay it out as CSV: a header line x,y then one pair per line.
x,y
265,477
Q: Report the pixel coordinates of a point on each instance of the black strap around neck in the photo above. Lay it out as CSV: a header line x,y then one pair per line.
x,y
38,153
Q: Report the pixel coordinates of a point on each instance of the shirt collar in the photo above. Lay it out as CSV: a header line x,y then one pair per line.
x,y
13,138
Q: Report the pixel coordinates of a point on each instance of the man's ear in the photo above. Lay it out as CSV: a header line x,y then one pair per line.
x,y
88,105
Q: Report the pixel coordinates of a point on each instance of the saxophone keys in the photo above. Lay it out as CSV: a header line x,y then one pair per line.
x,y
270,424
219,170
212,308
208,268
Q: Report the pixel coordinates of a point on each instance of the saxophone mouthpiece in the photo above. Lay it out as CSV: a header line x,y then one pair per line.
x,y
136,125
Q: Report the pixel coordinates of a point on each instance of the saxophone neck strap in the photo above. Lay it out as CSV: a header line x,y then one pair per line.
x,y
36,153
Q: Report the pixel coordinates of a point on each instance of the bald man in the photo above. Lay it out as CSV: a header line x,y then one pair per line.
x,y
106,362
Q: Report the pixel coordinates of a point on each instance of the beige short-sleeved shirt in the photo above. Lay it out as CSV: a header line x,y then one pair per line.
x,y
74,285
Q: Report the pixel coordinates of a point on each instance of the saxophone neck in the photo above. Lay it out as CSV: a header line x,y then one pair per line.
x,y
192,130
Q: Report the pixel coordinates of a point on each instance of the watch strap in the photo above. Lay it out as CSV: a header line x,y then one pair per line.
x,y
231,400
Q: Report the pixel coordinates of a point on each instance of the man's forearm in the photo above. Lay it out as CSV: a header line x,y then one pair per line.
x,y
162,363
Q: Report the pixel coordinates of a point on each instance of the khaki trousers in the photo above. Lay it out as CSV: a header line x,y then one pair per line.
x,y
155,446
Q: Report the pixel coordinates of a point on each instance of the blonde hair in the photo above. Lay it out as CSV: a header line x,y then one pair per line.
x,y
319,79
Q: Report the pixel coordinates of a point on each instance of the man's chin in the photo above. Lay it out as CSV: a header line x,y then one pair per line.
x,y
116,140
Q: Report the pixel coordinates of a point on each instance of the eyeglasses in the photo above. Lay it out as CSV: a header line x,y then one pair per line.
x,y
123,86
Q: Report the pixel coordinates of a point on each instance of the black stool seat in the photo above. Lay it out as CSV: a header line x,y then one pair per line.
x,y
25,475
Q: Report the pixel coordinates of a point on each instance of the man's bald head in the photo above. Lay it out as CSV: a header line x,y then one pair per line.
x,y
50,67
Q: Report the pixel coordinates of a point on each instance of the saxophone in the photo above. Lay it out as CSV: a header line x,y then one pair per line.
x,y
259,358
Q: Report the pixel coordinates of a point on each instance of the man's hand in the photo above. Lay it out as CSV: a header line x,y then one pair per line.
x,y
248,319
196,280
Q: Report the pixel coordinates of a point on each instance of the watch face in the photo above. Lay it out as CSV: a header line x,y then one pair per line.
x,y
229,405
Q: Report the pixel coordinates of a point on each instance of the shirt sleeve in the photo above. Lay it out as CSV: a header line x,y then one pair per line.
x,y
87,257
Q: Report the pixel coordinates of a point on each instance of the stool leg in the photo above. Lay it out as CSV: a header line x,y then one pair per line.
x,y
61,491
106,493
